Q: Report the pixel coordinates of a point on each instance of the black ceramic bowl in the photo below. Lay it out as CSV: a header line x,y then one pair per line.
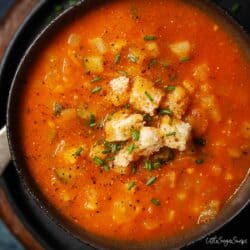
x,y
233,207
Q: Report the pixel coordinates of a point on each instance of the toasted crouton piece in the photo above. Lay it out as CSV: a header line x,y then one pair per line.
x,y
176,133
144,96
121,126
124,157
181,49
118,94
177,101
150,141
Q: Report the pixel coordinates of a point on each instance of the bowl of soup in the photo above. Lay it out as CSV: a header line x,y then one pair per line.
x,y
129,121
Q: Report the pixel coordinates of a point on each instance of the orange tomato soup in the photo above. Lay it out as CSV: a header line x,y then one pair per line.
x,y
135,122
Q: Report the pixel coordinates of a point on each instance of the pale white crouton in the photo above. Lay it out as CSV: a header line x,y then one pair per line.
x,y
177,101
144,96
201,72
181,49
123,158
98,43
152,48
118,94
121,126
176,133
93,64
150,141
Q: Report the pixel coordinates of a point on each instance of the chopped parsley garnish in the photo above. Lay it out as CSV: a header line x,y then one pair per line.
x,y
96,79
169,88
170,155
200,142
117,59
149,96
185,59
57,108
172,78
199,161
122,72
155,202
166,112
152,62
98,161
171,134
131,148
92,121
106,167
149,38
148,118
148,165
159,80
96,89
78,152
131,185
136,135
132,58
151,181
235,8
134,169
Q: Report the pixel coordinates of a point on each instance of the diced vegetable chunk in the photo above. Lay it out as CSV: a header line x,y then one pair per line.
x,y
181,49
152,49
93,64
98,43
64,174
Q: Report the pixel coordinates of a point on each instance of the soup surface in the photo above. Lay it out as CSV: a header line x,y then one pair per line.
x,y
135,122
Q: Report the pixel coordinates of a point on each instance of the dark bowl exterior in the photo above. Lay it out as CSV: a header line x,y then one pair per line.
x,y
235,204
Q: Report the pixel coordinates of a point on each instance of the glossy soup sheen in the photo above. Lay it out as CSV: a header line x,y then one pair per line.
x,y
68,101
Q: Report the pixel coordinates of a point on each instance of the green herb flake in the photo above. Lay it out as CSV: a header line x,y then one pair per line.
x,y
172,78
57,108
136,135
122,72
149,38
78,152
151,181
152,63
106,167
159,80
110,159
148,118
199,161
170,155
157,164
185,59
166,112
148,165
132,58
96,79
131,185
96,89
117,59
92,121
98,161
169,88
155,202
235,8
131,148
149,96
134,169
171,134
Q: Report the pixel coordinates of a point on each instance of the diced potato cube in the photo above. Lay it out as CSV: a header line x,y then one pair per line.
x,y
74,40
201,72
119,91
70,155
150,141
90,199
64,174
181,49
138,54
245,130
98,43
177,133
84,112
177,101
97,151
121,126
124,211
152,48
190,86
94,64
144,96
68,114
117,45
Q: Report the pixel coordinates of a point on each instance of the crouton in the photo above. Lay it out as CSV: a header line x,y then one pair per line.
x,y
177,101
121,126
124,158
150,141
144,96
176,133
181,49
118,94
